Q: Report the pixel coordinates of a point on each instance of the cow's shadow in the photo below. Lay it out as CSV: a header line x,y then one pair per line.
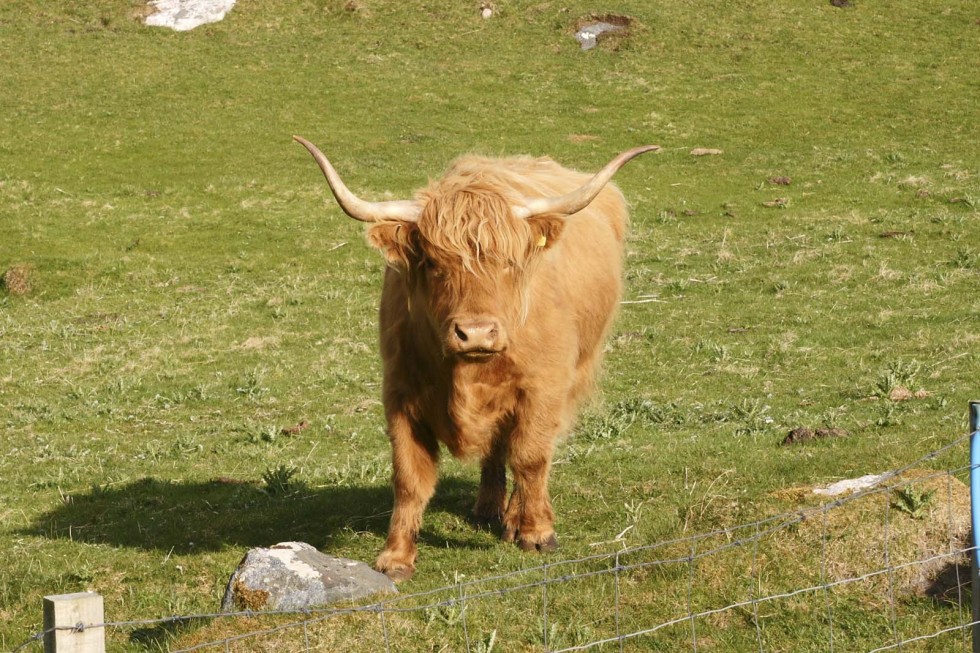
x,y
181,517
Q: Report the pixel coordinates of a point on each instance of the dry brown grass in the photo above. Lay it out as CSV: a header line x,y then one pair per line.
x,y
864,534
19,280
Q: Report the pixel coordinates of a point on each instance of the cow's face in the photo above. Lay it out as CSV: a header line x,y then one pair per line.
x,y
468,262
467,251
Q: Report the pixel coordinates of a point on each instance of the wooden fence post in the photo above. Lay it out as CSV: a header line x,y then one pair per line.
x,y
83,614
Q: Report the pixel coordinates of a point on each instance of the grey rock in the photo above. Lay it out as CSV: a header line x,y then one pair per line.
x,y
295,576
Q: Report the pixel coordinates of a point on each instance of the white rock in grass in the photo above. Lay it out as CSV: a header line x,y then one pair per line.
x,y
183,15
295,576
850,485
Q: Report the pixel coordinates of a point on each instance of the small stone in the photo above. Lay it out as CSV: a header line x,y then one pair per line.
x,y
295,576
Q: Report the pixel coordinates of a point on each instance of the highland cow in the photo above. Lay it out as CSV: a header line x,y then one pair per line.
x,y
503,278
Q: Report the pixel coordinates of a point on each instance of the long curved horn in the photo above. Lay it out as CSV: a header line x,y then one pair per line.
x,y
579,199
355,207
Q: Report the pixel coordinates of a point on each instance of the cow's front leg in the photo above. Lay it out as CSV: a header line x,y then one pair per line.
x,y
529,519
492,496
414,460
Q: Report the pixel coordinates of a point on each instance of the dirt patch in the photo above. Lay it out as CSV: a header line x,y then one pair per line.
x,y
611,30
901,393
18,280
295,429
619,20
804,434
895,234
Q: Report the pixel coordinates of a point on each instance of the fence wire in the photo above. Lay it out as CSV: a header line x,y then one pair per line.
x,y
881,551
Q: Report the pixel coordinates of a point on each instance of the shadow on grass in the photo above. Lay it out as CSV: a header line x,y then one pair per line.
x,y
951,585
183,518
160,637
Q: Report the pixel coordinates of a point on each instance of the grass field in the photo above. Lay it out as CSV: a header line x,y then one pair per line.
x,y
180,287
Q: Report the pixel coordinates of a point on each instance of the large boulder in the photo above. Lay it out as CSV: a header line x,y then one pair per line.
x,y
295,576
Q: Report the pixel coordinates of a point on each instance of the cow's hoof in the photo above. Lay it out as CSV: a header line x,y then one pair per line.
x,y
400,573
487,517
541,545
396,571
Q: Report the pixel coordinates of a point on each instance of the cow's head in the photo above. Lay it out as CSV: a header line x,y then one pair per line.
x,y
468,249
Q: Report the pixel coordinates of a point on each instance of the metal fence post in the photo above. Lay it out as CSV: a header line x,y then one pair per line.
x,y
73,623
975,514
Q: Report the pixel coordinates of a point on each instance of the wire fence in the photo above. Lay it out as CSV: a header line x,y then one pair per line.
x,y
884,568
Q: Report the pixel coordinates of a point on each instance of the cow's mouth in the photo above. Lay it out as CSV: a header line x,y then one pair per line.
x,y
478,354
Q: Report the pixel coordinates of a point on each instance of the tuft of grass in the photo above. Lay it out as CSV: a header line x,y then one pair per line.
x,y
486,645
966,259
618,420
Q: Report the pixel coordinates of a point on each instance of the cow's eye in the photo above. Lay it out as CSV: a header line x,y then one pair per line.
x,y
430,268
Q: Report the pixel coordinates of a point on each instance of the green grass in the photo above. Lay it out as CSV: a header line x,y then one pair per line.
x,y
195,290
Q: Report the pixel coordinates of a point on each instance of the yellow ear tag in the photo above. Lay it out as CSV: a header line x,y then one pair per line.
x,y
542,240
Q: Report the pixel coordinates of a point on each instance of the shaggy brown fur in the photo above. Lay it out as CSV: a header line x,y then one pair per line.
x,y
548,285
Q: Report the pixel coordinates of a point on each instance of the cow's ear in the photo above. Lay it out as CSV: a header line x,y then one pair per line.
x,y
397,241
545,231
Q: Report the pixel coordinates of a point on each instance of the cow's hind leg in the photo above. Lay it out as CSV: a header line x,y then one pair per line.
x,y
414,462
492,496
